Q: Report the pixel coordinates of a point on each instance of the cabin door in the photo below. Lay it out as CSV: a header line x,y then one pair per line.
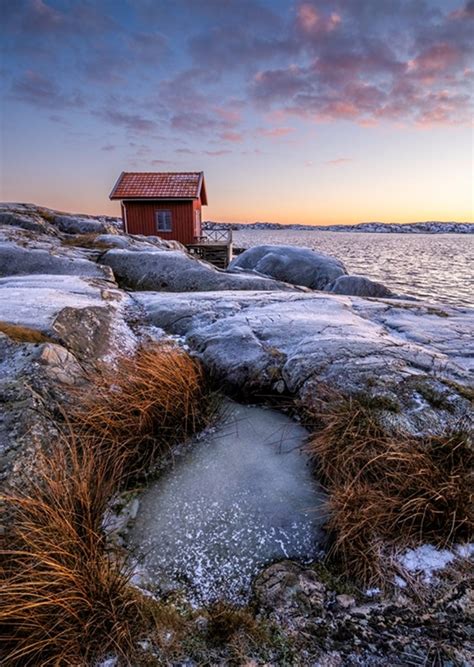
x,y
197,222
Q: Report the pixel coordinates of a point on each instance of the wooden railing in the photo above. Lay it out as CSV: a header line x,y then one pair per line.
x,y
223,236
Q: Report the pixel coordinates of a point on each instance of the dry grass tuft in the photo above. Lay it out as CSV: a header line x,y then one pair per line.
x,y
65,596
386,489
347,438
22,334
227,625
65,599
148,403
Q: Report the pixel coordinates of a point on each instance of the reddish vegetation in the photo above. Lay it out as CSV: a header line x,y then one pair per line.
x,y
387,489
66,597
146,404
21,334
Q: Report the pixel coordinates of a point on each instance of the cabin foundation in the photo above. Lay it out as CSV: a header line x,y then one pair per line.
x,y
214,246
216,254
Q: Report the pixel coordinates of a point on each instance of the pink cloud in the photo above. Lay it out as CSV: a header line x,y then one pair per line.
x,y
403,61
230,116
339,109
218,153
235,137
358,69
434,60
440,108
466,12
274,132
277,83
311,20
367,122
374,86
338,161
277,116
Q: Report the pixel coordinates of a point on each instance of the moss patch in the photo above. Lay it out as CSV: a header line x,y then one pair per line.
x,y
86,241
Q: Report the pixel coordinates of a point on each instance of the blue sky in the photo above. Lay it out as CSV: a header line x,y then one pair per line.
x,y
307,111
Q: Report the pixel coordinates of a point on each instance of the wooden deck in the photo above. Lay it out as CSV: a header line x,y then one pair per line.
x,y
215,247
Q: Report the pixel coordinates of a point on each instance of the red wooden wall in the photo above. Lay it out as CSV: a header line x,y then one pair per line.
x,y
139,218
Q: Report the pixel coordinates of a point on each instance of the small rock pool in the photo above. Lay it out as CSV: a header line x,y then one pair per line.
x,y
242,497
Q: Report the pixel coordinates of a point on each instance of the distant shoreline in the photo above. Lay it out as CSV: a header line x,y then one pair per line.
x,y
430,227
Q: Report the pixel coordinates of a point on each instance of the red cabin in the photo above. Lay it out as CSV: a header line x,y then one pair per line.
x,y
162,204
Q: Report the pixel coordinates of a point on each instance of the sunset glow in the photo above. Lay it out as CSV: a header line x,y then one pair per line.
x,y
314,112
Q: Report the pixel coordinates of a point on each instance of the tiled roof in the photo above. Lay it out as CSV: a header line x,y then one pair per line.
x,y
156,185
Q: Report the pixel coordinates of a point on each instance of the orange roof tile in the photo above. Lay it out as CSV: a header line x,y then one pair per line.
x,y
160,185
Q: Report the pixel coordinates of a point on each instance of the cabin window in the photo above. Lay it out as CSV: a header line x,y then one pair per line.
x,y
163,221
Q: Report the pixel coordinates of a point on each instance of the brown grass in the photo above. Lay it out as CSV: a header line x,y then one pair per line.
x,y
86,241
390,489
347,438
232,625
22,334
66,598
144,406
64,595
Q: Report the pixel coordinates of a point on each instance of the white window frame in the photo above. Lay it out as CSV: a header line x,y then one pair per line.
x,y
165,224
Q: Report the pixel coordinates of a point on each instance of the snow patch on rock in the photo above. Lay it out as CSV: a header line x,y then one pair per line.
x,y
427,559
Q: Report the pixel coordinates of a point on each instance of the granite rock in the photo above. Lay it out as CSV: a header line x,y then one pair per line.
x,y
298,266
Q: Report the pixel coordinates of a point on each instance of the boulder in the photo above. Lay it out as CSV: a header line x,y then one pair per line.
x,y
290,593
298,266
33,379
175,271
33,222
358,286
60,365
76,322
71,224
137,242
39,218
15,260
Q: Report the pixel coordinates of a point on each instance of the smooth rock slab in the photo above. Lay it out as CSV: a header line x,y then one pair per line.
x,y
88,315
241,498
175,271
408,352
15,260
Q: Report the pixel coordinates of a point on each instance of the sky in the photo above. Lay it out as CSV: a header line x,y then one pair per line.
x,y
297,111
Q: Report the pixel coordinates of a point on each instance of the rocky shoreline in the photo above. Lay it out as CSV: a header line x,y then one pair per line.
x,y
429,227
76,293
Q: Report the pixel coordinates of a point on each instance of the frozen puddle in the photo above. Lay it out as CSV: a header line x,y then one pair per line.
x,y
241,498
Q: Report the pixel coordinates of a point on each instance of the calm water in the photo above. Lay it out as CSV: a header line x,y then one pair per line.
x,y
434,267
